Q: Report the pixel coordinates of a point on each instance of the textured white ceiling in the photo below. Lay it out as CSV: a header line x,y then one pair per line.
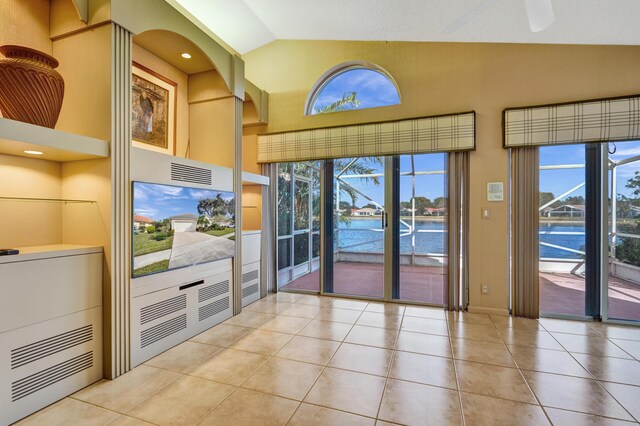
x,y
248,24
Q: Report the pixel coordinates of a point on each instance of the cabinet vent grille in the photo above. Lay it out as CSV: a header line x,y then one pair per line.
x,y
49,346
213,308
186,173
248,291
162,330
212,291
250,276
47,377
160,309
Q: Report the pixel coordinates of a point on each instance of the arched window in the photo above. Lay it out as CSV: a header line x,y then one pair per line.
x,y
352,85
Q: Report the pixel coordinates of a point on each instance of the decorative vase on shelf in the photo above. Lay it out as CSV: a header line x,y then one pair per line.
x,y
30,89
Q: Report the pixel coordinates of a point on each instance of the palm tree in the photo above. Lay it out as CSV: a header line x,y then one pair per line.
x,y
347,102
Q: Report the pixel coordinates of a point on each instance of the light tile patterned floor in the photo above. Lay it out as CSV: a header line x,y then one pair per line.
x,y
310,360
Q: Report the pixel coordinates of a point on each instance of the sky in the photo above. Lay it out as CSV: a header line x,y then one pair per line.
x,y
555,181
429,186
373,89
560,181
159,202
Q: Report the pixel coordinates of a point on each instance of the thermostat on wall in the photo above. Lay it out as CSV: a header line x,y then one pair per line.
x,y
495,191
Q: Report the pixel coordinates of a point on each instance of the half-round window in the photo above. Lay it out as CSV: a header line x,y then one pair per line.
x,y
352,85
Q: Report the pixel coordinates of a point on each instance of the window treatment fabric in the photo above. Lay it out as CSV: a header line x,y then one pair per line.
x,y
412,136
525,237
605,120
458,231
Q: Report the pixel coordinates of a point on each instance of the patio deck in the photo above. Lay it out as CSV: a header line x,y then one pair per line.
x,y
559,293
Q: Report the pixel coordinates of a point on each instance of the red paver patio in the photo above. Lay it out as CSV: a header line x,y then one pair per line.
x,y
418,283
559,293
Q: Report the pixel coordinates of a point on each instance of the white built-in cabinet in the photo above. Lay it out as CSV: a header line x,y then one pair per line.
x,y
50,326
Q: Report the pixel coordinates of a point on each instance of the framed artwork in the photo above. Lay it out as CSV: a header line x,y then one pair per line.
x,y
153,110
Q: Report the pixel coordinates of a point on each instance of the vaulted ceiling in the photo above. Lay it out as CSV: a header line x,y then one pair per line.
x,y
248,24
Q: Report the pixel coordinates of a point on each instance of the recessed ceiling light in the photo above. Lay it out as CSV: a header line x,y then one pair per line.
x,y
34,152
186,55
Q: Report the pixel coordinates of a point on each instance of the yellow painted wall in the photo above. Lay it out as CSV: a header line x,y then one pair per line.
x,y
212,132
251,207
85,66
29,223
64,17
156,64
25,23
250,149
441,78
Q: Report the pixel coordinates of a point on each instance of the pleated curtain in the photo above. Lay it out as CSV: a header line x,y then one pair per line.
x,y
458,231
525,237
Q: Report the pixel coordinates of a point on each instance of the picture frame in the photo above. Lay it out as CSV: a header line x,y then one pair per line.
x,y
153,110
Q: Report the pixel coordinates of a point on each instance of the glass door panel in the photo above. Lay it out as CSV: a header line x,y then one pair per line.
x,y
562,230
358,233
423,228
623,293
298,226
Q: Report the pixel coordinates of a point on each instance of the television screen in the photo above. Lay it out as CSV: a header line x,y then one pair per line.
x,y
176,226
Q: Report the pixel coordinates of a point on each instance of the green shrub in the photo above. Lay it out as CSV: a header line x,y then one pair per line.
x,y
151,229
170,233
160,236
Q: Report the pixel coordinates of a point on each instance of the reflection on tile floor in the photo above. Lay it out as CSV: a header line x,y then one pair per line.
x,y
312,360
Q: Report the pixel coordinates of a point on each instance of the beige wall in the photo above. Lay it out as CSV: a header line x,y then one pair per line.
x,y
441,78
85,66
156,64
29,223
212,132
251,207
25,23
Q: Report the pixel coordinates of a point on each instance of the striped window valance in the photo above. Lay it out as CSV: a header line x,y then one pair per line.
x,y
417,135
603,120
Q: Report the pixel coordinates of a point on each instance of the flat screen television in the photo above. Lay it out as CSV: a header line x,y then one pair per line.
x,y
177,226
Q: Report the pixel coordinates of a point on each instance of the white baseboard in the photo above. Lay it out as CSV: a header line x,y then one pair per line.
x,y
489,311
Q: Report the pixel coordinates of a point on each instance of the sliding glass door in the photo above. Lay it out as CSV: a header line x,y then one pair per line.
x,y
623,281
590,231
423,228
299,226
562,230
359,223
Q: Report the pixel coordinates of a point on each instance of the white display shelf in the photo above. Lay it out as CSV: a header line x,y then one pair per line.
x,y
17,137
254,179
48,251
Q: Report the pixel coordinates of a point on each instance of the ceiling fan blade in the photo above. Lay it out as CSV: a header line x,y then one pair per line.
x,y
540,14
470,15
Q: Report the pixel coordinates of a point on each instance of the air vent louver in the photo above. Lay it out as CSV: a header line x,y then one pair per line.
x,y
248,291
160,309
211,309
52,345
212,291
162,330
47,377
185,173
250,276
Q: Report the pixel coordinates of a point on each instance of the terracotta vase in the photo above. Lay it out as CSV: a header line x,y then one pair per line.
x,y
30,89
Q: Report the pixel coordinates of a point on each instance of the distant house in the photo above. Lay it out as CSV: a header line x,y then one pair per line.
x,y
141,222
435,211
566,210
184,222
366,211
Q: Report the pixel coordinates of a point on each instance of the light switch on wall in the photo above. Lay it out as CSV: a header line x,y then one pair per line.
x,y
485,213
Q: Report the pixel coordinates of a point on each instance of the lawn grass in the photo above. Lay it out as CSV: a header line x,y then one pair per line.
x,y
219,233
163,265
145,244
